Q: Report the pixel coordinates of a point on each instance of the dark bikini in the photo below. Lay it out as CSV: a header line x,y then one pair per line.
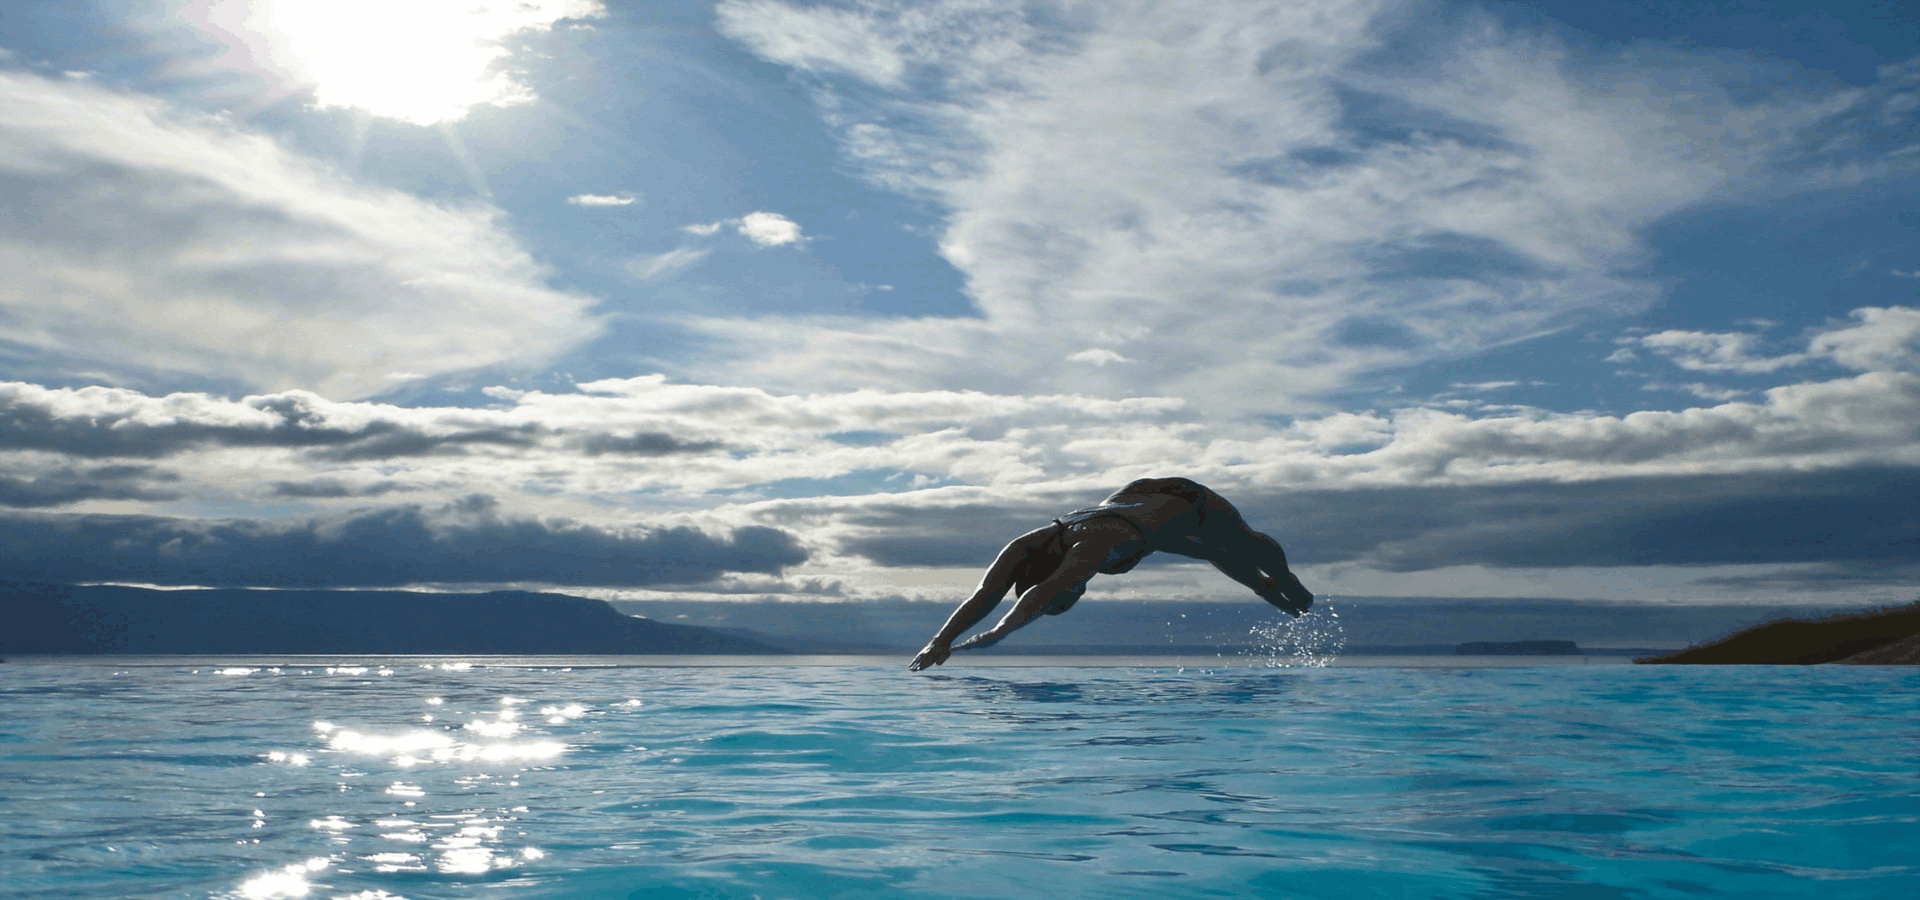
x,y
1120,559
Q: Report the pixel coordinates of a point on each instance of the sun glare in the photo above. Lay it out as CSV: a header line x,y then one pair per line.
x,y
420,61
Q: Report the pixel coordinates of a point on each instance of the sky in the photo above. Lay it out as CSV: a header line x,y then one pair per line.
x,y
760,299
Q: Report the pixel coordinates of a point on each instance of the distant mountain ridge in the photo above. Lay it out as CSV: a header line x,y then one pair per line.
x,y
75,619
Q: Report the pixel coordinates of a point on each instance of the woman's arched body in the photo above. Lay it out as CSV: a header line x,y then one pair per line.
x,y
1048,568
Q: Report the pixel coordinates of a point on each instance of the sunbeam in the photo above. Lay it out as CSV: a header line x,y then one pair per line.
x,y
424,62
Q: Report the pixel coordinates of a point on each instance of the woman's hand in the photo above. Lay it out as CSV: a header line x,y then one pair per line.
x,y
934,653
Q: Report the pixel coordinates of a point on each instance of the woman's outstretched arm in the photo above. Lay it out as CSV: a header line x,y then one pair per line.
x,y
1083,560
993,587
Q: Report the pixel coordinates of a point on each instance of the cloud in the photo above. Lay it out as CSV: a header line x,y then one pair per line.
x,y
1824,577
1703,391
1886,338
1850,421
1878,339
1864,133
328,488
643,443
1710,352
1250,194
1098,356
610,438
765,229
1856,517
815,39
950,528
469,542
117,422
66,485
769,229
1861,520
891,482
139,241
660,265
602,199
647,434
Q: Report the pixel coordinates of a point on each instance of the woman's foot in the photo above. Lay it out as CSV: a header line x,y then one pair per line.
x,y
1288,593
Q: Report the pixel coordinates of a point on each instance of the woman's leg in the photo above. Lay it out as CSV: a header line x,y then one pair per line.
x,y
1249,557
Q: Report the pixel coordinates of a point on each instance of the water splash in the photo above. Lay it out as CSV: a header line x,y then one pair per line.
x,y
1311,641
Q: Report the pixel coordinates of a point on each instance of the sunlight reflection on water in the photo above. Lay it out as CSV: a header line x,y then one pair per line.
x,y
416,746
468,841
287,882
1302,782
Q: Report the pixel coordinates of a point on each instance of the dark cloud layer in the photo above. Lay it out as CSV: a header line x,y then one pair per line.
x,y
645,443
34,420
1857,520
69,485
1832,576
1853,517
60,422
331,488
470,542
899,534
389,440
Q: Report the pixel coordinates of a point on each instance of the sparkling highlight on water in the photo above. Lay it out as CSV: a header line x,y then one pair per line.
x,y
1471,779
285,883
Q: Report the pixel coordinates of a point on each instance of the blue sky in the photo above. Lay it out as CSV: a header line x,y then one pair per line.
x,y
826,301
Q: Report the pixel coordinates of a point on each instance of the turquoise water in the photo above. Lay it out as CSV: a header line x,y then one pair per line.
x,y
398,778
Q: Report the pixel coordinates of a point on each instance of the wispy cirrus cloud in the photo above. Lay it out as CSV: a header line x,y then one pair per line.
x,y
1257,197
1717,352
602,199
139,240
661,265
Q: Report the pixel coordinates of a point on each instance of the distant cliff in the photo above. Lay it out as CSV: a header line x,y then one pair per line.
x,y
1880,637
56,619
1518,648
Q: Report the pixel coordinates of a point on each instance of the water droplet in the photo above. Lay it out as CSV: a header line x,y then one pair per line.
x,y
1310,641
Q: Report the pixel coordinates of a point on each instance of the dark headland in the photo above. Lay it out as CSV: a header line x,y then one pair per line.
x,y
1879,637
46,619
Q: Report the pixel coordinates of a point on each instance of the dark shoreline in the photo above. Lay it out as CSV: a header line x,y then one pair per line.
x,y
1882,637
58,619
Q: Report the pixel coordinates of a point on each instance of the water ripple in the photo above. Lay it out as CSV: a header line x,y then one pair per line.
x,y
390,780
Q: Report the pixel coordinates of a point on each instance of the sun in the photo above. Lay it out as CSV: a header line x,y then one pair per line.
x,y
419,61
